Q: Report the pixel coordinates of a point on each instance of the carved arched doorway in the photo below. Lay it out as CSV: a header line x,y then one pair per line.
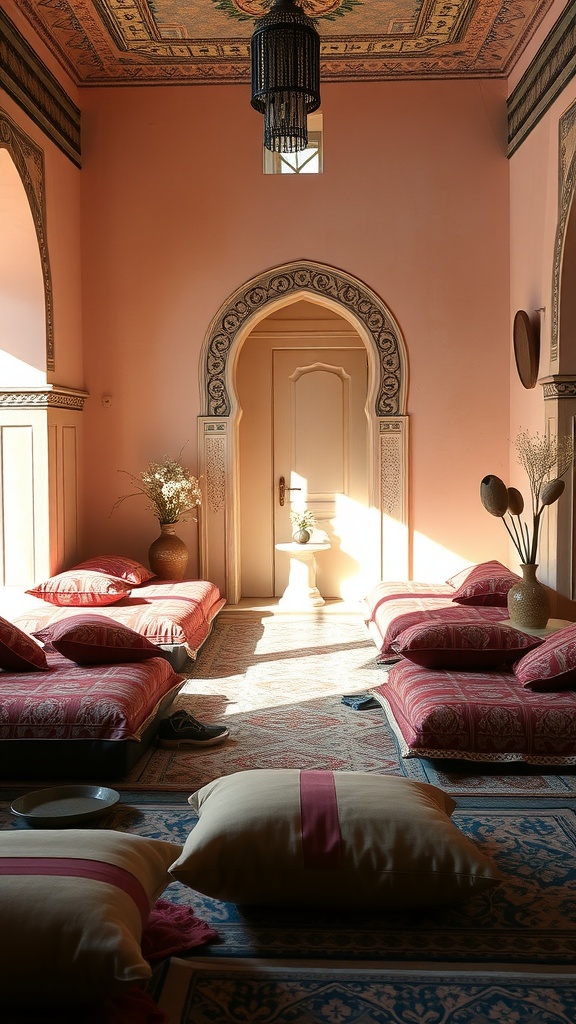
x,y
218,455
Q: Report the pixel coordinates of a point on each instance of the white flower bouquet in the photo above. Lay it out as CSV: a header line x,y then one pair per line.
x,y
172,492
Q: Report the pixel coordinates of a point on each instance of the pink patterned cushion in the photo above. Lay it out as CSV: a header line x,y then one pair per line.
x,y
469,646
487,583
18,651
80,587
553,665
117,565
93,640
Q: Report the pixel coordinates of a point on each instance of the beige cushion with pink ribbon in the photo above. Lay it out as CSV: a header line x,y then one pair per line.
x,y
341,839
73,905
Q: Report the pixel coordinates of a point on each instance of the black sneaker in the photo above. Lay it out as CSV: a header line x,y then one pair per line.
x,y
182,730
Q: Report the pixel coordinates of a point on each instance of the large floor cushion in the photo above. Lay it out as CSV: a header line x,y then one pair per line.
x,y
477,716
331,839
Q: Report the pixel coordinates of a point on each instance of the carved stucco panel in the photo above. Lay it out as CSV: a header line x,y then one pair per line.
x,y
215,470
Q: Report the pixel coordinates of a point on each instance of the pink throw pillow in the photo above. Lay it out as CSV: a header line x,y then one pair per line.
x,y
553,665
94,640
18,651
80,587
117,565
464,646
486,583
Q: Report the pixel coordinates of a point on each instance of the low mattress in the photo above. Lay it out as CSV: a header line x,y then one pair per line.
x,y
81,722
477,716
170,614
394,607
71,702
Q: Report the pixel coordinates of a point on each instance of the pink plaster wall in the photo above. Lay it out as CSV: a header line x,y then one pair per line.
x,y
176,214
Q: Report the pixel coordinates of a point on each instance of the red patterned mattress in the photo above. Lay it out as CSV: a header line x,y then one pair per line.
x,y
396,606
170,614
477,716
71,702
81,722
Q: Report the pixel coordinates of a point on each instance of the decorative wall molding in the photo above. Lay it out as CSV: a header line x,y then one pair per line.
x,y
566,186
35,89
305,279
552,67
559,386
40,439
46,396
29,161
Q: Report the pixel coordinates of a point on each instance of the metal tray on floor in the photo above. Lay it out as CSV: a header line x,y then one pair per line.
x,y
64,806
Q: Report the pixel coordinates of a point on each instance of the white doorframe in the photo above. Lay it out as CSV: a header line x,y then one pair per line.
x,y
218,433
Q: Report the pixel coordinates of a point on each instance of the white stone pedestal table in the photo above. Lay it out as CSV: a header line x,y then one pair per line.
x,y
302,592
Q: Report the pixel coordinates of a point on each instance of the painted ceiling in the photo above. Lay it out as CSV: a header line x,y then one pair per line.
x,y
115,42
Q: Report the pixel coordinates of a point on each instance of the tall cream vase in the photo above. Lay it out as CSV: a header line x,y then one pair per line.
x,y
168,554
528,600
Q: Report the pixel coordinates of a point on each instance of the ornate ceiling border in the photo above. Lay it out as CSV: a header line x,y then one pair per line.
x,y
36,90
551,69
29,161
114,42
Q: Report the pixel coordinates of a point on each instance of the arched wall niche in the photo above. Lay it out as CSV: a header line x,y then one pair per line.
x,y
29,161
218,446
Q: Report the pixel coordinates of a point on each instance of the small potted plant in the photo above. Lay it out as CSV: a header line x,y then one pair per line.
x,y
303,523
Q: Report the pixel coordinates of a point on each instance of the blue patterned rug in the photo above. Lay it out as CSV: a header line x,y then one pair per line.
x,y
529,920
206,991
503,957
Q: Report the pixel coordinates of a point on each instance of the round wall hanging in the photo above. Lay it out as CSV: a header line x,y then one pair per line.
x,y
526,349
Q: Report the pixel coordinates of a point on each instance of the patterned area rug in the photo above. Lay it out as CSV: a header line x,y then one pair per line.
x,y
204,991
528,920
277,681
502,956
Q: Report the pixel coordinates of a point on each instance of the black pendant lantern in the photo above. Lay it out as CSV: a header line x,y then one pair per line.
x,y
285,75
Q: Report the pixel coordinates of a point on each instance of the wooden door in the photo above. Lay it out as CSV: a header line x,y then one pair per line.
x,y
320,448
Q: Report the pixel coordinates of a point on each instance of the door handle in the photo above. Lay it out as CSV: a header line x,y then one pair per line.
x,y
282,490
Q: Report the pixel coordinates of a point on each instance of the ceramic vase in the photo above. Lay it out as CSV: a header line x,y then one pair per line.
x,y
168,554
528,601
302,536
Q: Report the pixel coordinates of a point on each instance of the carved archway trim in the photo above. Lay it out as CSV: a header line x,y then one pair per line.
x,y
559,388
218,445
29,161
304,279
566,186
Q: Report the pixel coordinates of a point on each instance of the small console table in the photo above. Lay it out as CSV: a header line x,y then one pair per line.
x,y
552,626
302,592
